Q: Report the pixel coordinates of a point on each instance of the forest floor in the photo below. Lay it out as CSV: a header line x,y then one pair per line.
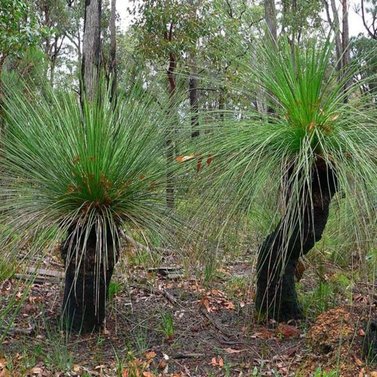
x,y
162,321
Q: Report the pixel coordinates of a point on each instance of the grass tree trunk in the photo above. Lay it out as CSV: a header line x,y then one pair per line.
x,y
279,254
89,268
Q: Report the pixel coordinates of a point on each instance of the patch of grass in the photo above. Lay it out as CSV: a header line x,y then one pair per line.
x,y
167,325
114,289
318,300
238,286
140,337
7,268
319,372
142,258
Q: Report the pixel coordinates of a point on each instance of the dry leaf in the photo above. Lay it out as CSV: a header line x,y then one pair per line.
x,y
199,165
3,363
148,374
373,374
100,366
229,305
217,362
288,331
185,158
205,302
150,355
36,370
263,334
162,364
76,368
358,362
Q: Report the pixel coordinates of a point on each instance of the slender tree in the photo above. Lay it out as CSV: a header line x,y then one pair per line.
x,y
113,48
90,67
270,17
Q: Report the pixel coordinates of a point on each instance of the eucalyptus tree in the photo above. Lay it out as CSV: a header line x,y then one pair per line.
x,y
91,56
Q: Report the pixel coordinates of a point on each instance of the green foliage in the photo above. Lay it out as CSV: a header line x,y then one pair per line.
x,y
18,27
319,372
364,55
318,300
167,325
100,168
114,289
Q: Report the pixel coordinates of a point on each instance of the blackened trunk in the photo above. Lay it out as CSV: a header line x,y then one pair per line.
x,y
194,103
279,254
87,279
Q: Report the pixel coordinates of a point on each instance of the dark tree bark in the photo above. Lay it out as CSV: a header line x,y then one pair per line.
x,y
91,48
170,145
221,102
194,100
279,254
345,34
87,278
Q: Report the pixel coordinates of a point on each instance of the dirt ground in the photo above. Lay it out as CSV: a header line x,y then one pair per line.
x,y
164,322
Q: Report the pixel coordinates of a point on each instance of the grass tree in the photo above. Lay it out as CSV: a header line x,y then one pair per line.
x,y
90,171
313,147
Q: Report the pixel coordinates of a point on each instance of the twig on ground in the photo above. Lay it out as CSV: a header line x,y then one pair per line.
x,y
152,290
187,355
18,330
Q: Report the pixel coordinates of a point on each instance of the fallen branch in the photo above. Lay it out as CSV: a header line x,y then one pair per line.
x,y
152,290
18,330
40,275
187,355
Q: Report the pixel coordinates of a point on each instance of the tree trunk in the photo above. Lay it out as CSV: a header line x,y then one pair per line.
x,y
88,271
170,147
91,48
221,102
335,24
193,94
270,17
345,43
278,255
112,65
